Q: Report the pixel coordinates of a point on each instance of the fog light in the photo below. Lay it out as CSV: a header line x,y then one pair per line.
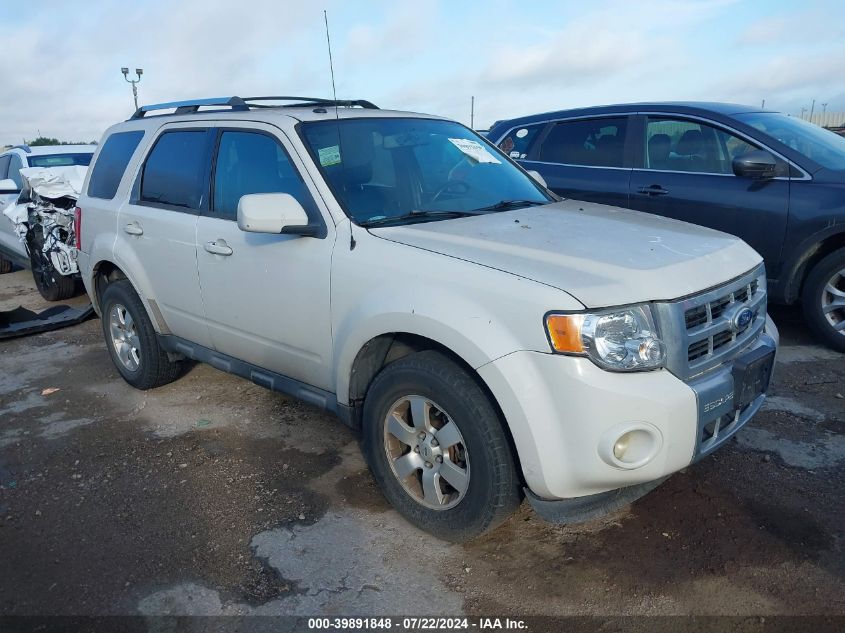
x,y
621,446
631,445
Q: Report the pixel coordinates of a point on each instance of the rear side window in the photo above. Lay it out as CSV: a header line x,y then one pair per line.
x,y
4,166
250,162
590,142
519,141
114,157
175,170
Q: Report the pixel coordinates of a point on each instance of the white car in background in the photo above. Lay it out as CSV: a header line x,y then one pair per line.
x,y
31,249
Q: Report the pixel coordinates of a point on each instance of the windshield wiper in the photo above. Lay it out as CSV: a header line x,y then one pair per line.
x,y
413,215
504,205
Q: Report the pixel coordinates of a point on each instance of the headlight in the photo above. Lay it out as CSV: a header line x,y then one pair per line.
x,y
625,339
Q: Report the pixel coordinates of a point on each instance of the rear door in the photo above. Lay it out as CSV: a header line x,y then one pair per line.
x,y
266,296
156,236
684,171
583,158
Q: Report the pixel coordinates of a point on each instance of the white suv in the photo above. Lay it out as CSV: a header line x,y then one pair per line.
x,y
397,269
12,249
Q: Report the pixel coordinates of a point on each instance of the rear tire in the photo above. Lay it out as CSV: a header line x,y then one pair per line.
x,y
131,339
456,482
51,285
5,266
823,300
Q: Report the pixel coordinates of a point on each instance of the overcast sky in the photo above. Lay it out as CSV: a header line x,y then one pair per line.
x,y
61,59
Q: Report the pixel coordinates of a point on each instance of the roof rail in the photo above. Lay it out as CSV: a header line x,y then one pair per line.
x,y
309,101
241,104
190,106
24,147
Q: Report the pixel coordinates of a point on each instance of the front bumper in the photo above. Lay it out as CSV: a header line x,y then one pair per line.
x,y
565,414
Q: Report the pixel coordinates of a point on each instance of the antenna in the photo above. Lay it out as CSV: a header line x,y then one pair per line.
x,y
337,114
331,64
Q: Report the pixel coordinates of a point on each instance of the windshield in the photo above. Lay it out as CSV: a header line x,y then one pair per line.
x,y
415,170
816,143
60,160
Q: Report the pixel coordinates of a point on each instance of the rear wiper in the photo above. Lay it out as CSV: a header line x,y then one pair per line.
x,y
504,205
413,215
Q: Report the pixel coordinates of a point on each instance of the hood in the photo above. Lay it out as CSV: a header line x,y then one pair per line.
x,y
603,256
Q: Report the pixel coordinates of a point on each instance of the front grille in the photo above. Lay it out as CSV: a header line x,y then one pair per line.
x,y
699,330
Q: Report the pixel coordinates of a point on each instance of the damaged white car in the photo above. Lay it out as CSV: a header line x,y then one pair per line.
x,y
43,221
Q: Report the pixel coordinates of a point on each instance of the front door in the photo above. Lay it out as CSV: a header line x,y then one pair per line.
x,y
685,172
266,296
10,167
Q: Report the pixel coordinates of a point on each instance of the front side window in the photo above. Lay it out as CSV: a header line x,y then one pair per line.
x,y
816,143
589,142
175,169
414,169
112,162
251,162
691,146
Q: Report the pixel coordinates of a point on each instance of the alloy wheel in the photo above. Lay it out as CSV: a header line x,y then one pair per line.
x,y
426,452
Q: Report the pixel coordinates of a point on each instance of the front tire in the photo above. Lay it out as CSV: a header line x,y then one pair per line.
x,y
5,265
823,300
52,285
131,339
438,448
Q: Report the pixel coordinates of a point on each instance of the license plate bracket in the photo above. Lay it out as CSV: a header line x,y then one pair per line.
x,y
751,373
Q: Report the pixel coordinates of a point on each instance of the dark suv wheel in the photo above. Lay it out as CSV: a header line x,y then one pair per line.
x,y
438,449
5,265
824,300
52,285
132,340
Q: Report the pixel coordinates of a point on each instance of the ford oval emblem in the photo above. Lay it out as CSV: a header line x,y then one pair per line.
x,y
742,319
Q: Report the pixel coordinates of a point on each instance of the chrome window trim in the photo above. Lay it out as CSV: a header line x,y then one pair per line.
x,y
805,175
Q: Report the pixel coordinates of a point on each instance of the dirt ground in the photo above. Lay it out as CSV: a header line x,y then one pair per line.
x,y
214,496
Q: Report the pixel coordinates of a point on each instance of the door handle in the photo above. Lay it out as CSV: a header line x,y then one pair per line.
x,y
653,190
133,228
218,247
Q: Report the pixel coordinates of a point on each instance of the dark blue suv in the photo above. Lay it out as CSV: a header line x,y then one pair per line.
x,y
775,181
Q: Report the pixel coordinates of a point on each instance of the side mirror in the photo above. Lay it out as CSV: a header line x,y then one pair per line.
x,y
538,178
9,186
273,213
756,164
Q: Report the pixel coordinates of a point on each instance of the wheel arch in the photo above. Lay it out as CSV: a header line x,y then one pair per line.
x,y
383,349
812,251
105,272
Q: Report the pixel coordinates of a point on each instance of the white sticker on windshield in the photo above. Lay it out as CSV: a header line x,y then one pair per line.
x,y
329,155
475,150
521,133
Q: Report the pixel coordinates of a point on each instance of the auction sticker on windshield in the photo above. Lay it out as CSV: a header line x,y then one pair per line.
x,y
475,150
329,155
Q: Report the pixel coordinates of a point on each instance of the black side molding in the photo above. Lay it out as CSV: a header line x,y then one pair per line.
x,y
260,376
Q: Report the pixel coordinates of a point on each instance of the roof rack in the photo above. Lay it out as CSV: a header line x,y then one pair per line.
x,y
244,104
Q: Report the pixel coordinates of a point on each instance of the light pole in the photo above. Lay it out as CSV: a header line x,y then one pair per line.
x,y
134,82
824,108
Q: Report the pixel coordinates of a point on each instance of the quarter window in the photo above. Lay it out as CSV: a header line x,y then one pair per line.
x,y
691,146
250,162
518,143
114,157
591,142
175,170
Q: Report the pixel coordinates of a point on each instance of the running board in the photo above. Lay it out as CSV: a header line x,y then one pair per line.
x,y
260,376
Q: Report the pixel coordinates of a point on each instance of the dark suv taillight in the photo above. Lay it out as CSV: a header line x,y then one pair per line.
x,y
77,227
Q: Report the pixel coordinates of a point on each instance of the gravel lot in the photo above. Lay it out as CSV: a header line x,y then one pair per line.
x,y
214,496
